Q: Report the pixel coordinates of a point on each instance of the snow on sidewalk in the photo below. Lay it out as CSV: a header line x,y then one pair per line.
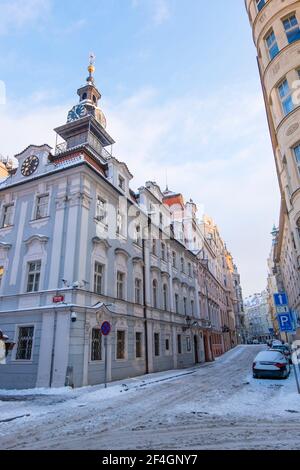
x,y
257,399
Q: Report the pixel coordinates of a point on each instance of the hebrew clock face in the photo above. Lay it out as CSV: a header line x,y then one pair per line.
x,y
30,165
77,112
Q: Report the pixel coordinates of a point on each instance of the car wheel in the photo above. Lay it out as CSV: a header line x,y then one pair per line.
x,y
255,376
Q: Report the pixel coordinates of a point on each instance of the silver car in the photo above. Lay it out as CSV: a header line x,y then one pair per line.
x,y
271,364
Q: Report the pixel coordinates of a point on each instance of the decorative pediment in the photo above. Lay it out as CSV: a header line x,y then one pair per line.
x,y
103,313
101,241
36,238
176,280
138,260
121,251
155,269
31,149
5,246
165,274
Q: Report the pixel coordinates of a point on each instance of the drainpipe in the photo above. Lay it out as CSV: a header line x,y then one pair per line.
x,y
53,348
145,308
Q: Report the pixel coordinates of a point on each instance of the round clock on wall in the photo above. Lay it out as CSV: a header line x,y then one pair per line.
x,y
30,165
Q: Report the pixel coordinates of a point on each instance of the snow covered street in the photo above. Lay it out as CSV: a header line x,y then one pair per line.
x,y
213,406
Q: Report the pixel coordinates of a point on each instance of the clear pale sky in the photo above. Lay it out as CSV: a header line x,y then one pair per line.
x,y
181,95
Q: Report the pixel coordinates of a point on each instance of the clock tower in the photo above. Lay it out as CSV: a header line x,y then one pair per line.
x,y
86,125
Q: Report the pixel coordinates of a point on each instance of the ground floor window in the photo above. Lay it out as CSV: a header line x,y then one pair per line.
x,y
156,344
188,344
179,350
25,342
96,352
120,344
138,344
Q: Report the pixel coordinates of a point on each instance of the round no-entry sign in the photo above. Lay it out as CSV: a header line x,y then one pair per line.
x,y
105,328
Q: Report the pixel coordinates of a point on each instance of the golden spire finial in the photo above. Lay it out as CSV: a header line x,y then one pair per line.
x,y
91,67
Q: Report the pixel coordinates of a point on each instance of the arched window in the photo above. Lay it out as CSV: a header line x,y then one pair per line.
x,y
154,293
165,295
94,99
84,96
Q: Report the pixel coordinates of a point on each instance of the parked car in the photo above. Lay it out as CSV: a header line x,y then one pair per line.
x,y
255,341
285,349
276,342
271,364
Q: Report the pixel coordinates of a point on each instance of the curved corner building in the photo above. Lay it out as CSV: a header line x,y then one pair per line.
x,y
276,33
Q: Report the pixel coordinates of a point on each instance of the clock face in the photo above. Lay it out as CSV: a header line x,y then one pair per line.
x,y
30,165
77,112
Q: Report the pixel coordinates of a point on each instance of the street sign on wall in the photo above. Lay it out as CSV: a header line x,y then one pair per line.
x,y
280,299
286,323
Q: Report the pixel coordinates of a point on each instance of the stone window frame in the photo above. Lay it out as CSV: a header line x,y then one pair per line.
x,y
98,361
16,340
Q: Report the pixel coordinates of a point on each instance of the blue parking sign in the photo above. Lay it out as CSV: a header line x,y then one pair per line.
x,y
280,299
285,321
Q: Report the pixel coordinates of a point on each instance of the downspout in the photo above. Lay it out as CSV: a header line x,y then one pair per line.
x,y
53,348
145,308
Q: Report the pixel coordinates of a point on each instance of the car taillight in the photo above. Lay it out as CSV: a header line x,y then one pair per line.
x,y
279,365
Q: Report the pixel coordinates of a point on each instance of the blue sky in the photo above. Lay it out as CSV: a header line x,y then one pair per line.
x,y
180,92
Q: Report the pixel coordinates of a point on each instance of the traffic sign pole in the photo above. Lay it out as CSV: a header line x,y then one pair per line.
x,y
105,366
105,329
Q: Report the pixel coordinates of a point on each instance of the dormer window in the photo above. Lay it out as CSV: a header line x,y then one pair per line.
x,y
121,183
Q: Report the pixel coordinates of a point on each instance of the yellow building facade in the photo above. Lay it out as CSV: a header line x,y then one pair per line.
x,y
276,34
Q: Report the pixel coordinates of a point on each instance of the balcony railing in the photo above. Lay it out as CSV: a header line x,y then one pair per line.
x,y
63,147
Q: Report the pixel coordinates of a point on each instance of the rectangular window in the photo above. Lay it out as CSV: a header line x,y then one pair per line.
x,y
96,350
101,209
167,344
192,307
42,203
120,222
176,303
285,97
185,305
138,237
174,259
7,215
188,344
154,247
182,265
291,27
165,296
1,274
297,155
34,274
272,45
120,285
120,344
156,344
138,291
121,183
25,342
260,4
179,350
163,251
190,269
138,345
98,278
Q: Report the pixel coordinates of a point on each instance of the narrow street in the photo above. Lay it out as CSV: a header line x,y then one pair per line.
x,y
215,406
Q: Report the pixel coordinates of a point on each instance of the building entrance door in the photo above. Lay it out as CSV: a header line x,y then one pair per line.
x,y
196,349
